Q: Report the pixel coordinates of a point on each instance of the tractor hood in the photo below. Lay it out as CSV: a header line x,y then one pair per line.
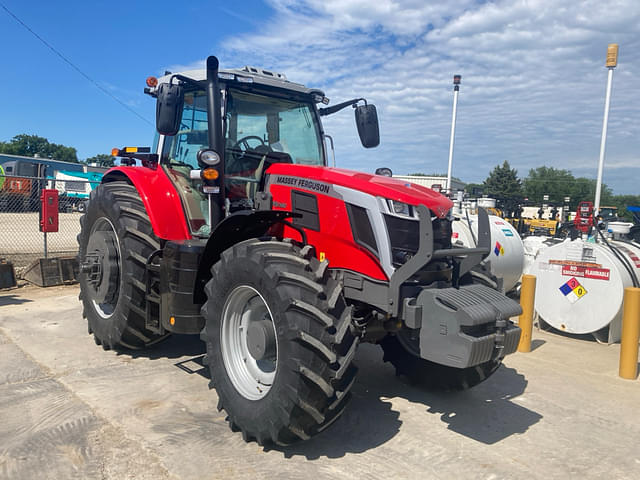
x,y
376,185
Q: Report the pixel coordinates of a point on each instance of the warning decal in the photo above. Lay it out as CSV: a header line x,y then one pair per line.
x,y
586,272
572,290
507,232
632,256
498,250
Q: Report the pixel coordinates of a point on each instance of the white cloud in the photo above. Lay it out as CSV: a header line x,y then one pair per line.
x,y
533,79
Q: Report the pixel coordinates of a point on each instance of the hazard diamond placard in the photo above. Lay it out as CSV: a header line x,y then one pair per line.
x,y
573,290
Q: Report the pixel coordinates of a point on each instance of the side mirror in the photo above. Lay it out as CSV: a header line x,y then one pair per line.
x,y
169,108
384,171
367,123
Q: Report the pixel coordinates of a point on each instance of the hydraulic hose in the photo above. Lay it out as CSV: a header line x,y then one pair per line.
x,y
622,258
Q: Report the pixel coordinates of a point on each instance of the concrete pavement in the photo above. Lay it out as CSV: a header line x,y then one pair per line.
x,y
69,409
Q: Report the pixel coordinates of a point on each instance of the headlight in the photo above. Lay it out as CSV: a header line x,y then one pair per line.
x,y
208,157
400,208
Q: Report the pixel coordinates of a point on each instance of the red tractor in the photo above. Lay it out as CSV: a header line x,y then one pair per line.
x,y
234,227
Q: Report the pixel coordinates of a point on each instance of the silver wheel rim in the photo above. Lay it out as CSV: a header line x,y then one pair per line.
x,y
251,378
106,309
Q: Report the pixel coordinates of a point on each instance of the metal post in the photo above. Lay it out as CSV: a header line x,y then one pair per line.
x,y
45,244
612,61
456,89
630,334
525,321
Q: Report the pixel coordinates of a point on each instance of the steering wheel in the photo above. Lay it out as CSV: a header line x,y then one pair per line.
x,y
242,145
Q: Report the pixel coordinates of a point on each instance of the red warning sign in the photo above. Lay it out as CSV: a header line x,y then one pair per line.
x,y
586,272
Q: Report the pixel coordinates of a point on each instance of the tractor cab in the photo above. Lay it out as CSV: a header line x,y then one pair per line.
x,y
258,130
264,119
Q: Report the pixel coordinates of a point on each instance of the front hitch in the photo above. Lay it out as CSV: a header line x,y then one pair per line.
x,y
465,258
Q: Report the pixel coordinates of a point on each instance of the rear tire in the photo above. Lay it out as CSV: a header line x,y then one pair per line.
x,y
115,241
303,384
430,375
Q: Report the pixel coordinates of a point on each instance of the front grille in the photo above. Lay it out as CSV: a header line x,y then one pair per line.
x,y
404,235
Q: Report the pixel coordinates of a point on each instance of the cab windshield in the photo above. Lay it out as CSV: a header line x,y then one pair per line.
x,y
254,125
256,128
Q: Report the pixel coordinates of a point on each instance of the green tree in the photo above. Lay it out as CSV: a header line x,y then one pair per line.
x,y
102,160
558,184
622,202
503,182
32,145
504,185
550,181
474,189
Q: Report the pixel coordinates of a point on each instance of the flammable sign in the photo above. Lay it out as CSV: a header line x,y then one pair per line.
x,y
573,290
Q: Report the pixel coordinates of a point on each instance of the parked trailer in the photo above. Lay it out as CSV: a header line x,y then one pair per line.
x,y
22,179
74,188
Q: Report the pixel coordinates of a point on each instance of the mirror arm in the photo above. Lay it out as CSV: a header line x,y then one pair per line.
x,y
339,106
184,79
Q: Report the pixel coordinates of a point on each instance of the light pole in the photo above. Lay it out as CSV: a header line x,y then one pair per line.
x,y
456,89
612,61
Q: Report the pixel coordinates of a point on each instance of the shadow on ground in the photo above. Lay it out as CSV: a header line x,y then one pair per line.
x,y
486,413
13,300
537,343
174,346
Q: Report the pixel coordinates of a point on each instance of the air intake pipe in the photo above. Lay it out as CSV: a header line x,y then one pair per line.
x,y
215,136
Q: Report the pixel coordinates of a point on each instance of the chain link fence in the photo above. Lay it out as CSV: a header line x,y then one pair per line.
x,y
21,240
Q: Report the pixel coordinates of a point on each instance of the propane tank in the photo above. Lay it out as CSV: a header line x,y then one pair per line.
x,y
507,253
580,286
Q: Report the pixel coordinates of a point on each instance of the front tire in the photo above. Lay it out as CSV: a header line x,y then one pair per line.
x,y
279,344
115,241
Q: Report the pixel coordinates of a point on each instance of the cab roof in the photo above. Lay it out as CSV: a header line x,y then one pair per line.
x,y
248,74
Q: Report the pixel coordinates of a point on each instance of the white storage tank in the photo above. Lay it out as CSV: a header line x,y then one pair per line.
x,y
507,253
580,286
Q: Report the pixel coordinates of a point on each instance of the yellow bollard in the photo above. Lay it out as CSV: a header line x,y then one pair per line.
x,y
630,333
525,321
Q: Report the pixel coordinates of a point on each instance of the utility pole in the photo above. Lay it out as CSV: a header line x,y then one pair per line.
x,y
456,89
612,62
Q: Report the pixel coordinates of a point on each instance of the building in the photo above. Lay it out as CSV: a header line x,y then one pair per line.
x,y
435,183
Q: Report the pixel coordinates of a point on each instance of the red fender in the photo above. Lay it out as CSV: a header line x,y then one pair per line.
x,y
159,197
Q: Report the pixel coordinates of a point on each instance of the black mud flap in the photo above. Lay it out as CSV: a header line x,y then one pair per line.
x,y
466,326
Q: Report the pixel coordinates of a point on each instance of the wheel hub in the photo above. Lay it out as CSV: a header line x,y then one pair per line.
x,y
261,340
248,342
101,266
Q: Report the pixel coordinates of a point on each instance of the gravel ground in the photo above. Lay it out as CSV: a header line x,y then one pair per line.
x,y
22,242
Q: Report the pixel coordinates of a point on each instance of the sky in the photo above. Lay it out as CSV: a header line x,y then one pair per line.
x,y
532,93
